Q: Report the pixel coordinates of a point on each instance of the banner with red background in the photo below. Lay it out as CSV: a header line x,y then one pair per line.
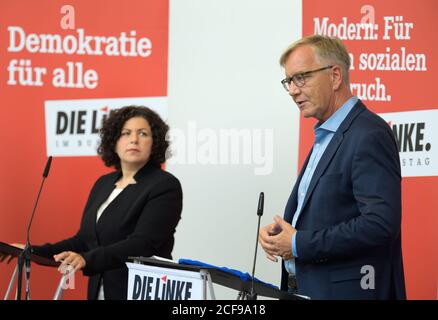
x,y
63,68
394,70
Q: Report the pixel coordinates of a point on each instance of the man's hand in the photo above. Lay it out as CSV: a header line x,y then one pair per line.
x,y
276,239
70,258
265,235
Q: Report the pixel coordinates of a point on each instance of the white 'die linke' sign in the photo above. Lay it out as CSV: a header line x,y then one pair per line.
x,y
154,283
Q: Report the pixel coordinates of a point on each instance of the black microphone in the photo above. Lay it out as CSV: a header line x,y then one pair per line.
x,y
45,174
24,257
261,204
252,294
47,168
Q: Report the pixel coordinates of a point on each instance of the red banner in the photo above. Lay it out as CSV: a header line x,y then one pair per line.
x,y
394,67
63,67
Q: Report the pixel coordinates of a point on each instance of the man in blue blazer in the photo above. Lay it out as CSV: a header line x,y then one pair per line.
x,y
340,237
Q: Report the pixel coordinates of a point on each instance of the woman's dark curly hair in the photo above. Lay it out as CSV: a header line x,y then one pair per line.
x,y
112,129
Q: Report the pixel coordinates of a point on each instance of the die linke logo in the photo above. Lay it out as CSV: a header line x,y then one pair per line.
x,y
410,136
74,130
72,126
411,143
414,132
74,122
160,288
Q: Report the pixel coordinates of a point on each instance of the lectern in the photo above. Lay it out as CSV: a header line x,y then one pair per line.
x,y
15,252
211,275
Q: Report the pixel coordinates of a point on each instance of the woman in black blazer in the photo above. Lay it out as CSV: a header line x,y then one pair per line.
x,y
130,212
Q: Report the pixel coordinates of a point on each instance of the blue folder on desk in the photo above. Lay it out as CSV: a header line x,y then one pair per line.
x,y
243,276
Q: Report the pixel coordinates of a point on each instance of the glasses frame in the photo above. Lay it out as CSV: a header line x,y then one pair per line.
x,y
286,82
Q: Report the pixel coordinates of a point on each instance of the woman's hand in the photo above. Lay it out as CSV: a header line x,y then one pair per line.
x,y
69,258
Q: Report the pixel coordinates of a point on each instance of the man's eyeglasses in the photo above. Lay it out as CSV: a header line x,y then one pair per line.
x,y
299,79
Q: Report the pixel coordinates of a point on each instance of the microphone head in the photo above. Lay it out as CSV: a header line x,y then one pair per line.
x,y
47,168
261,204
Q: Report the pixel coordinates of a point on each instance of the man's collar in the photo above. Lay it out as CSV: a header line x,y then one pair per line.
x,y
332,124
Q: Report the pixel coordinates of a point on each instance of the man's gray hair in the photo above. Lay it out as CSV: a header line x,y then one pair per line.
x,y
328,50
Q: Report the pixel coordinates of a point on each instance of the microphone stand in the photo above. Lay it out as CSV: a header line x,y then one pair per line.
x,y
252,294
24,257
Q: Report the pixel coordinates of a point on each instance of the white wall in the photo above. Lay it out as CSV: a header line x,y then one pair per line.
x,y
223,74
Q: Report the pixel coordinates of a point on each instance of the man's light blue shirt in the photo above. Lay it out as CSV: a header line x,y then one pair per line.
x,y
323,135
